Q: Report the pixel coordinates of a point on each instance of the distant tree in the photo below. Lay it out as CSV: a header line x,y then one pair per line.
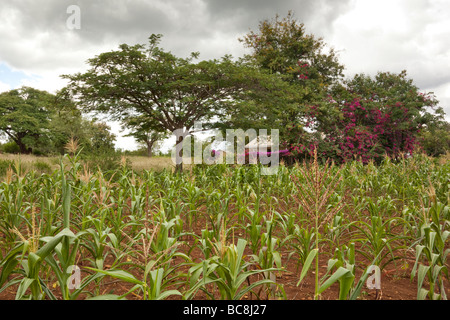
x,y
435,139
142,129
25,116
100,140
39,122
66,122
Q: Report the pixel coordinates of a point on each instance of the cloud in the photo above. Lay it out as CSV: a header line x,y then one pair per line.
x,y
35,36
396,35
4,87
248,14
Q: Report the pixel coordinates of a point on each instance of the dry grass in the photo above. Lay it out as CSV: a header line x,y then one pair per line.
x,y
139,163
28,158
32,162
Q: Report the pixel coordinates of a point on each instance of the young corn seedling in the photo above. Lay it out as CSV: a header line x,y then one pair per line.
x,y
286,222
435,269
378,239
344,268
303,242
434,235
97,239
64,257
194,195
254,229
31,259
335,228
227,271
432,248
30,255
14,204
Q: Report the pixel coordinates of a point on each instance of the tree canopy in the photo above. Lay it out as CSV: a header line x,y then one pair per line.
x,y
171,93
309,68
290,80
24,116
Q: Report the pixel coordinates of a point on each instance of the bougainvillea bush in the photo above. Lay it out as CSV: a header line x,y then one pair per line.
x,y
366,118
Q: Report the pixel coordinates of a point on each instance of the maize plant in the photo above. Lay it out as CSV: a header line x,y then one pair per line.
x,y
228,271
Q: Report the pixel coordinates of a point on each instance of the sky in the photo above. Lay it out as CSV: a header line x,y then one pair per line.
x,y
42,39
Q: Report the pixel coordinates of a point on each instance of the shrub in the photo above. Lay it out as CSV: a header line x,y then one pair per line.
x,y
10,147
42,166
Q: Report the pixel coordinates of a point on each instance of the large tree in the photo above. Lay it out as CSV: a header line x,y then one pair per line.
x,y
40,122
282,46
172,93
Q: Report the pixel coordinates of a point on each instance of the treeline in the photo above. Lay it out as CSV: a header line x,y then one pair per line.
x,y
37,122
290,81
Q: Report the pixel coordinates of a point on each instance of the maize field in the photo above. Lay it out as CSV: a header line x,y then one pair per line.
x,y
227,232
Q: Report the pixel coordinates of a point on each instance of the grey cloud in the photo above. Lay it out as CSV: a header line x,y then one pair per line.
x,y
34,35
41,25
186,25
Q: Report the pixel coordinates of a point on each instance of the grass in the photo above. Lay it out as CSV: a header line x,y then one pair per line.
x,y
140,163
42,164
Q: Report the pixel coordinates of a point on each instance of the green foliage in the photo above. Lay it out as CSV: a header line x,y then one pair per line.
x,y
227,271
4,165
282,47
435,139
24,116
10,147
140,229
431,251
374,116
38,122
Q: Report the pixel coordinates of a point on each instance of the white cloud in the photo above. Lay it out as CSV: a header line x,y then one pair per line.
x,y
4,87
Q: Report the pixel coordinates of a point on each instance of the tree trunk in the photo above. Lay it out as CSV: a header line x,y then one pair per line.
x,y
179,154
150,148
23,148
179,168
